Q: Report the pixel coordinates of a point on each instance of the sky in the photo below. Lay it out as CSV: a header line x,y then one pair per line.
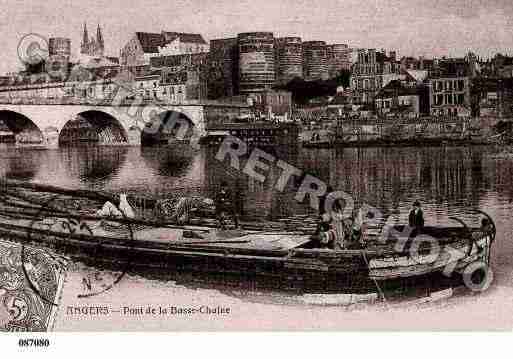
x,y
412,27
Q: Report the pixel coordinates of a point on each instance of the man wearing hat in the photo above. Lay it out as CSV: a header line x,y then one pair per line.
x,y
416,218
225,205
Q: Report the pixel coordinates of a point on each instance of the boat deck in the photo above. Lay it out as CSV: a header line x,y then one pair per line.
x,y
228,239
23,211
246,240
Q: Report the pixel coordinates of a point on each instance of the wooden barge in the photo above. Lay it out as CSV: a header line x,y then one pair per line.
x,y
261,258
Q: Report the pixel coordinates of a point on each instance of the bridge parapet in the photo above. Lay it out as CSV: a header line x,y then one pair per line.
x,y
116,102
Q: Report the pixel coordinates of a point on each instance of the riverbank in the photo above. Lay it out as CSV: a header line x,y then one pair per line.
x,y
396,143
404,132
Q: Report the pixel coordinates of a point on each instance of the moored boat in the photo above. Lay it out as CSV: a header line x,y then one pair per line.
x,y
394,261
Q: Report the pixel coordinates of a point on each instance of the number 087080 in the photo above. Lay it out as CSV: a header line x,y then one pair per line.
x,y
34,343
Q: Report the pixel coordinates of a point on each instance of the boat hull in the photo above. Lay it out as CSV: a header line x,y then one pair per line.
x,y
299,270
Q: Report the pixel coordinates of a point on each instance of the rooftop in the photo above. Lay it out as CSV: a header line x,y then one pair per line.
x,y
184,37
396,88
151,42
451,68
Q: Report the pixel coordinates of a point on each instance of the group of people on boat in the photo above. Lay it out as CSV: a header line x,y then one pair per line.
x,y
333,230
336,232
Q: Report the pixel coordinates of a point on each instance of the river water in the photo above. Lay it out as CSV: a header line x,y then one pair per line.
x,y
449,181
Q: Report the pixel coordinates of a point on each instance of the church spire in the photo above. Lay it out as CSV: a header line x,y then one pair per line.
x,y
84,46
85,38
99,37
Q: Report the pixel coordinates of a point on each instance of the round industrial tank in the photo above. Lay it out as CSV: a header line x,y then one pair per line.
x,y
289,59
315,61
59,46
256,62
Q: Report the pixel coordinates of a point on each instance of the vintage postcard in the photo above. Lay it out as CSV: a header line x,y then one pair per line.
x,y
256,166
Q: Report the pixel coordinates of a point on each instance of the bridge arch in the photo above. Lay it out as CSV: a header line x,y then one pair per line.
x,y
18,128
93,126
167,127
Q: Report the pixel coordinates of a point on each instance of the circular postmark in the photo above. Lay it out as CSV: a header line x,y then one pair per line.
x,y
81,237
33,49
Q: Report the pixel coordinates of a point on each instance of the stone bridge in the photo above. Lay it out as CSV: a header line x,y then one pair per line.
x,y
42,124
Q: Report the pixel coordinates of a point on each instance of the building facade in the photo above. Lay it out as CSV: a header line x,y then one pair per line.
x,y
223,78
143,46
76,86
182,77
493,97
372,71
400,98
449,88
273,105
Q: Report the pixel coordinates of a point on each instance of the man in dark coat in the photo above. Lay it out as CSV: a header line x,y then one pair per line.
x,y
416,218
225,204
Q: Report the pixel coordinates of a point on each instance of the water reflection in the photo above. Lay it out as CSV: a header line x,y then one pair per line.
x,y
389,176
383,177
16,164
94,165
448,181
169,161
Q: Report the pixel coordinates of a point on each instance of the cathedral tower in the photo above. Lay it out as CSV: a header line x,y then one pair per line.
x,y
92,46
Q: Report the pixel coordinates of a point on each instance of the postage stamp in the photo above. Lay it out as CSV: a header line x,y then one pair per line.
x,y
30,289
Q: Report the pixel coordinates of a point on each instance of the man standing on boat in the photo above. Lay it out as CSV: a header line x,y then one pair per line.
x,y
331,221
225,204
416,218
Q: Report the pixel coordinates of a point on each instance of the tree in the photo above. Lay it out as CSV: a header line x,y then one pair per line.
x,y
303,91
